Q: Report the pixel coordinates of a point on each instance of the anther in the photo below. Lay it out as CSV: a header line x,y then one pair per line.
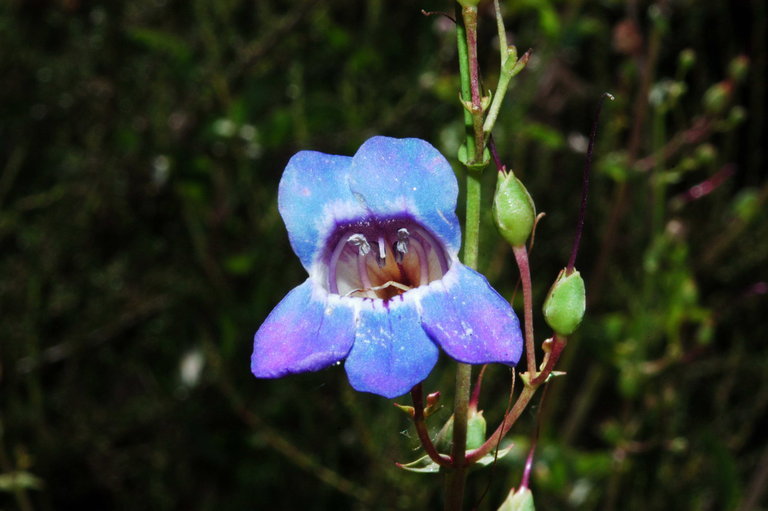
x,y
400,247
380,251
382,248
360,242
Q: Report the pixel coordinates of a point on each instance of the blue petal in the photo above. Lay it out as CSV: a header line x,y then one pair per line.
x,y
307,331
391,352
470,320
394,176
313,194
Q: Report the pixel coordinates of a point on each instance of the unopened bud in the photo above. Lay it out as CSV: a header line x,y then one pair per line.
x,y
513,209
433,404
469,3
738,68
717,97
520,500
475,430
408,410
706,154
737,115
686,59
565,303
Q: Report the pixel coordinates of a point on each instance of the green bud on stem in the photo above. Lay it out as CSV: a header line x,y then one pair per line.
x,y
513,209
565,304
717,97
520,500
475,430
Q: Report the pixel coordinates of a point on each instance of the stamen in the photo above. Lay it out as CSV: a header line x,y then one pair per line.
x,y
423,263
362,270
431,244
382,248
401,245
360,242
333,285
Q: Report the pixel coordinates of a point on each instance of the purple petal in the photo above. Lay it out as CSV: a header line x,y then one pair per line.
x,y
313,194
470,320
391,352
307,331
394,176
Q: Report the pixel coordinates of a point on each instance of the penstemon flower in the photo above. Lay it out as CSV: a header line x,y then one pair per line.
x,y
379,237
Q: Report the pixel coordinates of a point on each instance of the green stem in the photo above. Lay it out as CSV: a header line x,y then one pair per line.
x,y
466,93
470,92
455,482
511,68
472,224
457,475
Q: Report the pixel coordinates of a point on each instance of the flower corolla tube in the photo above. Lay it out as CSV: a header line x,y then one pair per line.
x,y
378,234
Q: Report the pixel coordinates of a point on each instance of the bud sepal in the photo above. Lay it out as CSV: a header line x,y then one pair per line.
x,y
566,302
513,209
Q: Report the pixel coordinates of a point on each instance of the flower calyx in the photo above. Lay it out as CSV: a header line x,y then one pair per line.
x,y
513,209
566,302
518,500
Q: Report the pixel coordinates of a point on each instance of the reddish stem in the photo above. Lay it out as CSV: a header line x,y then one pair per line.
x,y
558,343
470,22
475,399
421,429
522,402
506,424
528,466
495,155
521,256
585,186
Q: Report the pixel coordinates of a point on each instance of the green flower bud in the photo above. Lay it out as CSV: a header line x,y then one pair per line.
x,y
475,430
513,209
565,303
686,59
737,115
717,97
469,3
739,68
520,500
706,154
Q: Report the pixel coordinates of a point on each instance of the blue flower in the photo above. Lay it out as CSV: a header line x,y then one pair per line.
x,y
379,237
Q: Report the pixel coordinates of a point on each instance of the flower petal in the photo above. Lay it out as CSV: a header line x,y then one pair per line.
x,y
470,320
392,353
307,331
314,194
394,176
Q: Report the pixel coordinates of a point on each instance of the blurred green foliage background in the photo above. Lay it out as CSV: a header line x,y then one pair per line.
x,y
141,144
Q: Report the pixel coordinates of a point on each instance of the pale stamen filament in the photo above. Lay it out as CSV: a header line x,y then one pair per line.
x,y
423,262
333,284
430,242
362,270
382,248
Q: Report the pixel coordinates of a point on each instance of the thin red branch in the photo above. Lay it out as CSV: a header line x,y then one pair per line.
x,y
521,257
421,429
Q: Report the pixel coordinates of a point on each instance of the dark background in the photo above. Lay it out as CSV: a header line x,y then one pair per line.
x,y
141,144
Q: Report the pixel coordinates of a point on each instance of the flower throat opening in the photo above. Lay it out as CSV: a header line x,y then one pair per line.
x,y
382,259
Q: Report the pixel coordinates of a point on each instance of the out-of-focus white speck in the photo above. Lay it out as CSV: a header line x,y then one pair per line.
x,y
191,367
